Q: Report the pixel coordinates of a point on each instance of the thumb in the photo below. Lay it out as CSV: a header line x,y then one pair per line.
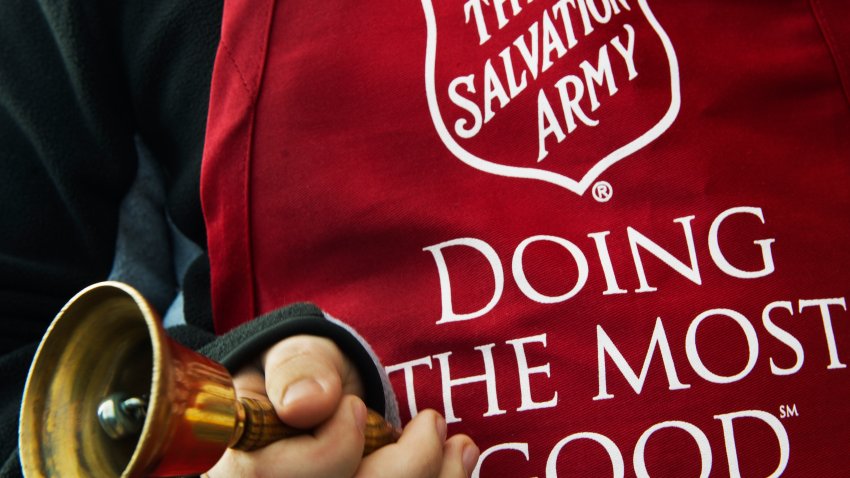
x,y
304,379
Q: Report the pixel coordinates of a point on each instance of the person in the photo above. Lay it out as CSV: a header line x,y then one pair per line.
x,y
88,98
597,236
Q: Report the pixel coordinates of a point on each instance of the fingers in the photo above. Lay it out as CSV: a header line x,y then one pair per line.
x,y
305,378
418,452
460,455
309,382
333,450
423,452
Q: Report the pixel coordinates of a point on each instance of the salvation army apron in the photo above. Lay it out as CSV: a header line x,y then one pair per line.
x,y
602,237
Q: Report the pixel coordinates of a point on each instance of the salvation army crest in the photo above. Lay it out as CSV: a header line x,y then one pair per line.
x,y
556,91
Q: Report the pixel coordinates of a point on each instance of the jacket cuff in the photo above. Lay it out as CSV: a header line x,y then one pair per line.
x,y
247,342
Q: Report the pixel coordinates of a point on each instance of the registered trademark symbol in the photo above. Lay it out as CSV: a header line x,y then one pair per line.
x,y
602,191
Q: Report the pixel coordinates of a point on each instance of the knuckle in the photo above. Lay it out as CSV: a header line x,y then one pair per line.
x,y
302,348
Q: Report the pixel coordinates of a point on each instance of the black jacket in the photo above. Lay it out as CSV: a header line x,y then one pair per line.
x,y
102,111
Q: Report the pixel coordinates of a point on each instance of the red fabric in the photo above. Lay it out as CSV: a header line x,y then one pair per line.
x,y
237,76
833,16
701,209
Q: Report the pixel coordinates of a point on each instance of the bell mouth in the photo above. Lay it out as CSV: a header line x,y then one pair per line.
x,y
101,343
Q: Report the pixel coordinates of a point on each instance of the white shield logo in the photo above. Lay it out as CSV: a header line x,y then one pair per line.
x,y
555,91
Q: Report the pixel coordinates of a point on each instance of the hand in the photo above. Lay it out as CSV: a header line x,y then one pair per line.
x,y
313,386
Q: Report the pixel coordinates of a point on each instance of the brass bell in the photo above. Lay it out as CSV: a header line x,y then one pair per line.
x,y
110,394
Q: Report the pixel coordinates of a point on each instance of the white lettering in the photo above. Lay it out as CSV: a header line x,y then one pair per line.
x,y
489,377
449,315
407,367
720,259
729,439
560,9
628,53
500,11
585,18
615,458
526,287
520,447
605,261
594,11
551,43
467,105
474,6
604,345
493,89
639,459
613,452
514,88
525,372
783,336
570,102
693,352
691,273
547,124
531,57
823,305
599,75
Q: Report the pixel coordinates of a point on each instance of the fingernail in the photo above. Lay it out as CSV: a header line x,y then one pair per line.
x,y
441,427
470,458
359,410
301,390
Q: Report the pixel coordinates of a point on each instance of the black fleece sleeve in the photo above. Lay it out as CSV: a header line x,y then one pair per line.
x,y
249,341
245,343
66,158
79,80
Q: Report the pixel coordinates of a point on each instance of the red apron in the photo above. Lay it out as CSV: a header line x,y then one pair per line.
x,y
602,237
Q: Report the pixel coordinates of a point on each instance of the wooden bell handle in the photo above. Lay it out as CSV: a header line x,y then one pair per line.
x,y
262,426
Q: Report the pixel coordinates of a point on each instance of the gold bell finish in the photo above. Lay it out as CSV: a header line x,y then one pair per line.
x,y
110,394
